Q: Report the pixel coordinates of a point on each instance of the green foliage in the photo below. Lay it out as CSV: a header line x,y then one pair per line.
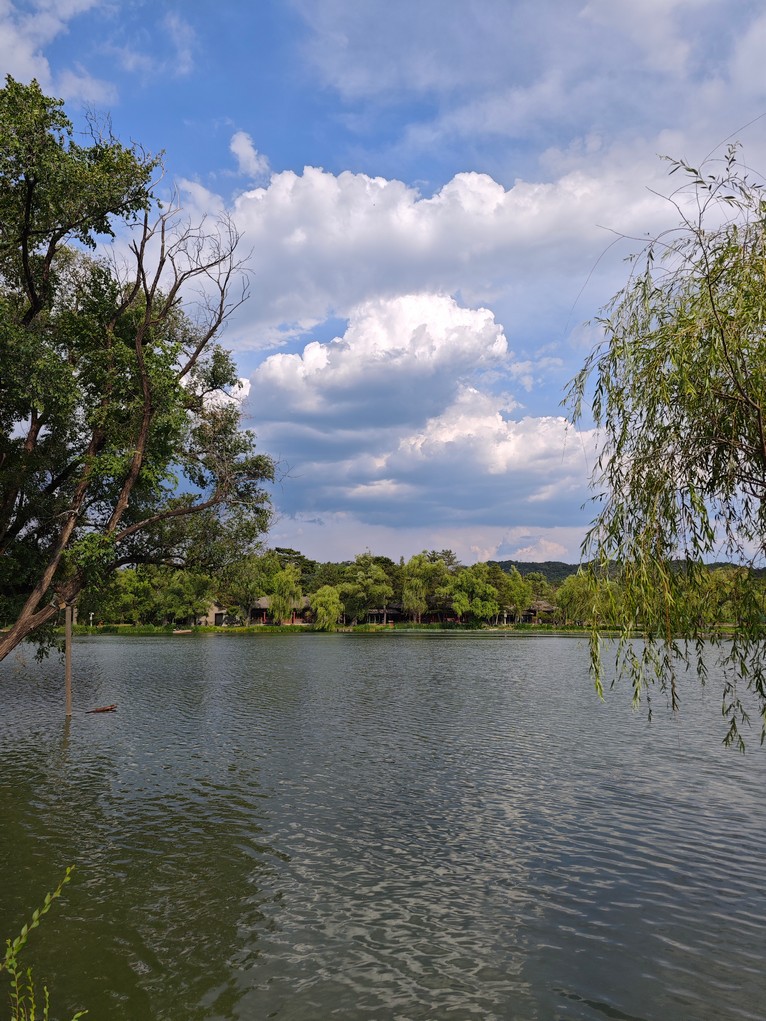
x,y
514,593
149,595
325,574
120,438
446,556
366,587
471,594
54,188
679,393
554,571
91,556
131,630
285,592
541,588
155,599
183,597
414,596
327,608
578,598
423,576
306,568
245,581
25,1005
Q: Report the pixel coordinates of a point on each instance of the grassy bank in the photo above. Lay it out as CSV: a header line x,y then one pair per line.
x,y
137,630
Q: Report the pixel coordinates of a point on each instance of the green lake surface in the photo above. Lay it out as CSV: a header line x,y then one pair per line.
x,y
377,826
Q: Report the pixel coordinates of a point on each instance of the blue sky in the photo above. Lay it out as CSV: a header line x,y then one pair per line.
x,y
429,192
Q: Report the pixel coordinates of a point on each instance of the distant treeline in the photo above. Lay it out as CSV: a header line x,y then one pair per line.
x,y
282,585
554,571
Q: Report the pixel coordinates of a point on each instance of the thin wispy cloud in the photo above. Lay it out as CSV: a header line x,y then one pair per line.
x,y
250,162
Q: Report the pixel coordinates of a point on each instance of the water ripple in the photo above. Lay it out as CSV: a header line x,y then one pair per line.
x,y
391,827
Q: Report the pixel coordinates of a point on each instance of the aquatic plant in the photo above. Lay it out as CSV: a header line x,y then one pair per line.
x,y
25,1005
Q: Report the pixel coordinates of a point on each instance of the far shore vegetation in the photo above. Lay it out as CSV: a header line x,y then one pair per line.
x,y
281,590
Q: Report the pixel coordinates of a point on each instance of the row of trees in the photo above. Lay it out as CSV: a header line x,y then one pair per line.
x,y
431,586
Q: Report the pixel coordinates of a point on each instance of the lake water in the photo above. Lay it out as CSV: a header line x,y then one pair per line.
x,y
377,826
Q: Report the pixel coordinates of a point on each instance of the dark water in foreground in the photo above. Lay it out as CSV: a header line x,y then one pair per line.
x,y
382,827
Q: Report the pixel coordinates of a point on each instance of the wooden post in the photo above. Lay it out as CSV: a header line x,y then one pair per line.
x,y
68,658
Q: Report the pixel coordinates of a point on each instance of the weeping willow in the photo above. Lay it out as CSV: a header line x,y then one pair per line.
x,y
677,389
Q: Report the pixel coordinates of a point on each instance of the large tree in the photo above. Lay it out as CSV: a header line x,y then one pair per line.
x,y
422,576
286,594
327,607
470,592
119,432
678,389
365,587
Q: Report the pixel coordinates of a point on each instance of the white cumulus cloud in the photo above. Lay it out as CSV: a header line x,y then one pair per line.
x,y
404,408
321,244
399,360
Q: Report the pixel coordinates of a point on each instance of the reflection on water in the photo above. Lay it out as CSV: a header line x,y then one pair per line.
x,y
392,827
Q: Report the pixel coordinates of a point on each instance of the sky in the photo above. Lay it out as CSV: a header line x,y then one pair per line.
x,y
436,198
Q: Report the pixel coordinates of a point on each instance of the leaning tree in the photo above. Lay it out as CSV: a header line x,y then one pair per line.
x,y
120,438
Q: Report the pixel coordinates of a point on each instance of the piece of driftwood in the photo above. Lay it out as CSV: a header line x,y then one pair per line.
x,y
103,709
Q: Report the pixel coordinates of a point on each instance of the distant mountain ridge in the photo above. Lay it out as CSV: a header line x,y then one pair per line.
x,y
554,571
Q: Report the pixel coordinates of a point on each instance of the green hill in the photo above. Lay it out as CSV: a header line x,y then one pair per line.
x,y
554,570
